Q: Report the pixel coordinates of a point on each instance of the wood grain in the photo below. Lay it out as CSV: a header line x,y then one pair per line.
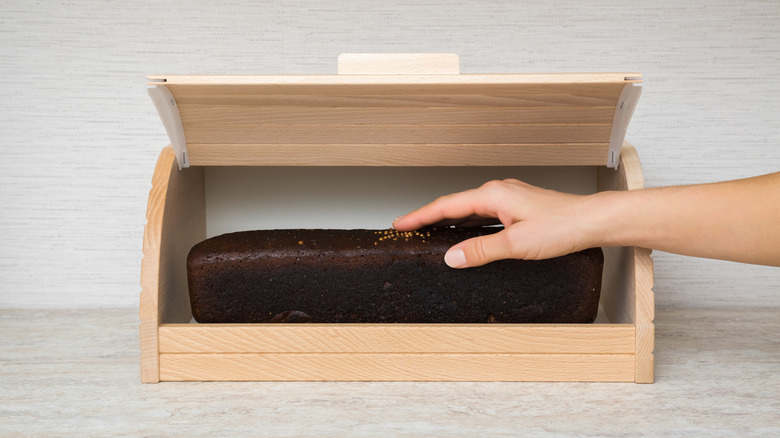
x,y
401,133
645,314
397,338
444,154
367,109
184,225
176,220
399,367
150,268
395,97
262,110
318,113
396,79
441,109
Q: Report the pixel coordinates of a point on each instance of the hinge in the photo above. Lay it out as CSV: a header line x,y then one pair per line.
x,y
624,109
169,114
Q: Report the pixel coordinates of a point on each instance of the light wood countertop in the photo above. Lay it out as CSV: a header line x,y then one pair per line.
x,y
76,373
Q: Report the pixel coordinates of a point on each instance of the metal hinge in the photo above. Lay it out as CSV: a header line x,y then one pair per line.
x,y
169,114
624,109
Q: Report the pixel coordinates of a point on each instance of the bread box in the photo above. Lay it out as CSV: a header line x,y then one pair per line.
x,y
240,142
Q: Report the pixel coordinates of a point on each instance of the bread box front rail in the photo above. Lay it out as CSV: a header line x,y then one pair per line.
x,y
370,115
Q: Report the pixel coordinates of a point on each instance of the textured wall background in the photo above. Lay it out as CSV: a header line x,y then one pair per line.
x,y
79,136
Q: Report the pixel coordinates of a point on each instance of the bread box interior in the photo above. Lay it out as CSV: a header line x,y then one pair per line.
x,y
387,134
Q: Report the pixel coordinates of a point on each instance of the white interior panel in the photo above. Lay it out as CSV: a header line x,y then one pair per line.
x,y
252,198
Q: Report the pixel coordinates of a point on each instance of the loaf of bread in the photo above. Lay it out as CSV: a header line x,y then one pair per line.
x,y
382,276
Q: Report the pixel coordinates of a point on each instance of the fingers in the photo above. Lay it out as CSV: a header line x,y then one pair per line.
x,y
475,204
538,223
479,251
456,207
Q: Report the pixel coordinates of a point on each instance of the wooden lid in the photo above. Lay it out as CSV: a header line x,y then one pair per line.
x,y
372,114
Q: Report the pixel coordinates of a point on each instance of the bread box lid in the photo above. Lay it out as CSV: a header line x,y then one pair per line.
x,y
397,109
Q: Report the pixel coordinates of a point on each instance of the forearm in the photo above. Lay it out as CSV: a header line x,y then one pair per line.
x,y
735,220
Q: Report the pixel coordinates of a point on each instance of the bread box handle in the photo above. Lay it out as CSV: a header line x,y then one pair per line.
x,y
399,64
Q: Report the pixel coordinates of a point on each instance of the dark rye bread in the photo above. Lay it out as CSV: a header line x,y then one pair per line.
x,y
382,276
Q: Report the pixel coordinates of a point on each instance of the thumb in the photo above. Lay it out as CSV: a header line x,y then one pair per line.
x,y
478,251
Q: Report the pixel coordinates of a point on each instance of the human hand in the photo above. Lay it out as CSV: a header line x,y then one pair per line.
x,y
538,223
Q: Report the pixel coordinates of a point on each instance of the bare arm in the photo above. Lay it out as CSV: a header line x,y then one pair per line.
x,y
735,220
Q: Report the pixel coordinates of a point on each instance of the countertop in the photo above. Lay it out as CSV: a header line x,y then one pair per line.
x,y
76,373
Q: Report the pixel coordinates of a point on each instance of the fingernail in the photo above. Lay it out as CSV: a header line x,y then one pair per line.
x,y
455,258
397,219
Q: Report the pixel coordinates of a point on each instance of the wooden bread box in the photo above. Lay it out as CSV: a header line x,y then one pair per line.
x,y
384,113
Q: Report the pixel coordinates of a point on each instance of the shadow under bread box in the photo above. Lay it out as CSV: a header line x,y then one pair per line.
x,y
387,134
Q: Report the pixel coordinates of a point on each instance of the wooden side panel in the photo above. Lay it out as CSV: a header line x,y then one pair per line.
x,y
397,338
645,298
184,226
632,168
399,367
150,268
176,219
645,314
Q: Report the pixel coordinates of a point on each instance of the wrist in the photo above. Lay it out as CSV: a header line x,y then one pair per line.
x,y
604,214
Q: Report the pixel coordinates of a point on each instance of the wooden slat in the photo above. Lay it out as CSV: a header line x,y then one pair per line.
x,y
411,133
399,367
563,93
560,94
427,115
401,100
389,79
397,338
563,154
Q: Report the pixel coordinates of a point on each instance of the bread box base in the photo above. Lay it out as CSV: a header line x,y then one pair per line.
x,y
173,349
